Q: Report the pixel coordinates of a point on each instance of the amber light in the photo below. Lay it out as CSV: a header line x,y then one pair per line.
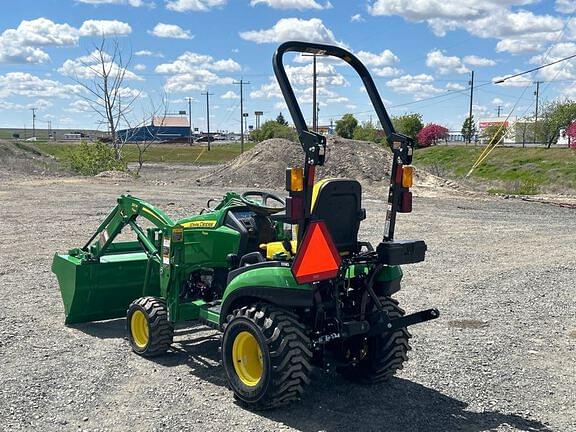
x,y
295,179
407,176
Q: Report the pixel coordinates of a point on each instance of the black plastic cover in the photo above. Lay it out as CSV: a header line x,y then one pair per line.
x,y
401,252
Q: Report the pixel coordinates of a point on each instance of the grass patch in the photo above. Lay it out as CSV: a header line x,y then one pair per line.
x,y
173,153
521,170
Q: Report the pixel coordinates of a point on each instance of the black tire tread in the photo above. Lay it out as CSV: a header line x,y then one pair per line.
x,y
161,330
391,352
290,355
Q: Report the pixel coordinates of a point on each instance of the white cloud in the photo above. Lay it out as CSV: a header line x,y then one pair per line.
x,y
140,67
134,3
566,6
312,30
230,95
24,44
130,93
104,28
148,53
198,80
497,101
40,104
356,18
385,58
565,70
194,72
454,86
79,106
419,85
519,81
170,31
189,62
88,67
485,19
28,85
478,61
292,4
520,45
387,71
193,5
326,75
445,64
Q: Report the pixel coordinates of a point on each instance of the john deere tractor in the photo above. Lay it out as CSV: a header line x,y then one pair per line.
x,y
286,281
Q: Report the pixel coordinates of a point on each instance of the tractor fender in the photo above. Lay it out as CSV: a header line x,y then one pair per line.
x,y
284,297
388,281
270,284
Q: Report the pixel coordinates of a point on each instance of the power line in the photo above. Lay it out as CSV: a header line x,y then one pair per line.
x,y
500,81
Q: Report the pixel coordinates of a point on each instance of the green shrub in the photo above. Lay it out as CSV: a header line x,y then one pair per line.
x,y
273,129
91,159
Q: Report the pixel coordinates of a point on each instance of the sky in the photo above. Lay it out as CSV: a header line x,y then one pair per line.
x,y
420,54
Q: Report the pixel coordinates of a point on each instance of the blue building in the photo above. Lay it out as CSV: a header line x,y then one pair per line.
x,y
162,128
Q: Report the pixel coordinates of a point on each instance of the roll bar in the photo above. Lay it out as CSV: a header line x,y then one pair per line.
x,y
314,144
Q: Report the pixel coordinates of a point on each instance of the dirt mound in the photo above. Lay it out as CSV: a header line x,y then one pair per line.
x,y
264,165
115,175
20,159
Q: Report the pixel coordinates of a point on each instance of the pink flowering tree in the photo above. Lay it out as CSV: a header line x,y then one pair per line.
x,y
571,134
430,134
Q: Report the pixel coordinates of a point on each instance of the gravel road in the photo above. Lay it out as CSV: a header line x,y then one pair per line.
x,y
502,356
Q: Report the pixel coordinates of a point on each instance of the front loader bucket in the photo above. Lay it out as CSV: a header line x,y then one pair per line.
x,y
93,291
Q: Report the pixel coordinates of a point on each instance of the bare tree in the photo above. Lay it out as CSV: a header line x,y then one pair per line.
x,y
102,74
158,112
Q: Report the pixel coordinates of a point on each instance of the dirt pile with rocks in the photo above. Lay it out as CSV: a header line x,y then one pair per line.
x,y
22,160
264,165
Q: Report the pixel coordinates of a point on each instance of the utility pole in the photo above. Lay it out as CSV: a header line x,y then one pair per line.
x,y
33,121
208,94
314,91
537,94
242,83
499,109
190,120
470,112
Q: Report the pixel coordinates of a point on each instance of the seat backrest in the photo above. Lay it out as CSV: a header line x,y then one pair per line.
x,y
338,203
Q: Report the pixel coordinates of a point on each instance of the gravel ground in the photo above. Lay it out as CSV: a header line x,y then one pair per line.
x,y
502,356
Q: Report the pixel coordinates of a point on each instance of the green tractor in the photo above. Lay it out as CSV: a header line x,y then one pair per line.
x,y
286,281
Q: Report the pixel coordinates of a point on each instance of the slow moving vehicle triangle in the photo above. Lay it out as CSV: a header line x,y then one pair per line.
x,y
317,259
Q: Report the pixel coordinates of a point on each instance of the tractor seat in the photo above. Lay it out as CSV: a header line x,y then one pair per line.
x,y
338,203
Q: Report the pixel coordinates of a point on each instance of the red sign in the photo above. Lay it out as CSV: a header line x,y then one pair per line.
x,y
317,258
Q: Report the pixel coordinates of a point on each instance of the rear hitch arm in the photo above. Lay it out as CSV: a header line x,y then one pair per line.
x,y
384,324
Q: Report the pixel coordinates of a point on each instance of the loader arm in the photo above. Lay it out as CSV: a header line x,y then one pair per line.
x,y
125,213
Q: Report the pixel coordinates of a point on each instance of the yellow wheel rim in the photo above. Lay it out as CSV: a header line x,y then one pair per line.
x,y
139,328
247,358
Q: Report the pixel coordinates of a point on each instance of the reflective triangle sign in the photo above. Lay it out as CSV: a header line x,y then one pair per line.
x,y
317,258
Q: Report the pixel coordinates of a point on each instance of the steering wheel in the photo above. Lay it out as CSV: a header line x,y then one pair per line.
x,y
262,206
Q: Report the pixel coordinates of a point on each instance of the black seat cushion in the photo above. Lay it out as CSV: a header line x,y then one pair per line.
x,y
338,204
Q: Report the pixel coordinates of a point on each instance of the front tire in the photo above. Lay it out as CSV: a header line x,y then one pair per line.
x,y
386,352
149,330
266,356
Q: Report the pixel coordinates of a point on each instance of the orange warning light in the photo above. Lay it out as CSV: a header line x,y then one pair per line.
x,y
317,258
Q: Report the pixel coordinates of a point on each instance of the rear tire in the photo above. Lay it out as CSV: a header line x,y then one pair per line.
x,y
266,356
386,353
149,330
